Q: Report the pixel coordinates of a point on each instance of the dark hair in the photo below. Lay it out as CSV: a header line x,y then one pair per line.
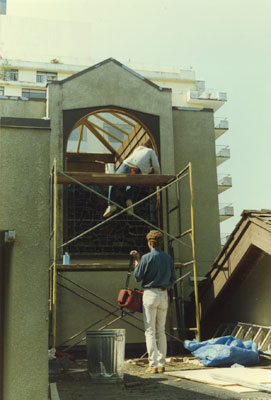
x,y
149,144
155,238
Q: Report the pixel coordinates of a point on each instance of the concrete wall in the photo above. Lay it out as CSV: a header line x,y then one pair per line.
x,y
24,208
26,157
13,91
75,314
251,303
109,84
194,142
27,76
22,108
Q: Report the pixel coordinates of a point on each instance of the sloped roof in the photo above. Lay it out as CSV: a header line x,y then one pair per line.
x,y
248,243
110,60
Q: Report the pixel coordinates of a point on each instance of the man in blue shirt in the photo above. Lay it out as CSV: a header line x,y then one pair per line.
x,y
157,273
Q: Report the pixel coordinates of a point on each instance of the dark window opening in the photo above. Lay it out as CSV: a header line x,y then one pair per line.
x,y
116,237
3,7
43,77
12,75
34,94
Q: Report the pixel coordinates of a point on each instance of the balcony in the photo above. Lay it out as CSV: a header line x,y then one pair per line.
x,y
225,211
224,182
222,154
207,98
221,126
200,85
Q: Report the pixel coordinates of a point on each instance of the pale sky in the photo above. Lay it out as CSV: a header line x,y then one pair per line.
x,y
227,43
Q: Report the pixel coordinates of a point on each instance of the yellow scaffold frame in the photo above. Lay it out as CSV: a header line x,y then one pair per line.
x,y
54,266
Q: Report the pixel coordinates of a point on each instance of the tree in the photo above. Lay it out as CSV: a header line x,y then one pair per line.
x,y
4,68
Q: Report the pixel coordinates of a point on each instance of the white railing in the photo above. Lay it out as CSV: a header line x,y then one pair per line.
x,y
226,210
221,123
223,151
207,94
224,180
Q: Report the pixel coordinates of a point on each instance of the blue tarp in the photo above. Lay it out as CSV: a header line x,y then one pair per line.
x,y
224,351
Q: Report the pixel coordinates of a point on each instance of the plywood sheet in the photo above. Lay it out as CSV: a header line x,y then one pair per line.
x,y
253,375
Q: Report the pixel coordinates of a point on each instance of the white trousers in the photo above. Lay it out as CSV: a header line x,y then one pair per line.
x,y
155,304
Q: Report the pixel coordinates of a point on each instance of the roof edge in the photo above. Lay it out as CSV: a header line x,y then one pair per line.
x,y
111,59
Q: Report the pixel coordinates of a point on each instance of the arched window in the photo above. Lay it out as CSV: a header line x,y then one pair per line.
x,y
100,137
104,136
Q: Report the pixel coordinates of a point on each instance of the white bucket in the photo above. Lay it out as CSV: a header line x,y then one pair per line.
x,y
110,168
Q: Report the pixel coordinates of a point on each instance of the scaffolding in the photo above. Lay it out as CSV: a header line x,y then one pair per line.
x,y
162,183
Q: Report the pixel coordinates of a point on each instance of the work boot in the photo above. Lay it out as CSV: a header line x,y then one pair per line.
x,y
109,211
128,204
151,370
160,370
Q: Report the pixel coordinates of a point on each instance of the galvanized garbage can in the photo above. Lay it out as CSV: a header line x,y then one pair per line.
x,y
105,354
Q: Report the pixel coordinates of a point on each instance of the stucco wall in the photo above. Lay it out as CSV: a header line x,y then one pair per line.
x,y
22,108
251,303
194,142
109,84
76,314
24,208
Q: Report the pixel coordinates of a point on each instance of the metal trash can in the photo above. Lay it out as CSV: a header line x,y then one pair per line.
x,y
105,354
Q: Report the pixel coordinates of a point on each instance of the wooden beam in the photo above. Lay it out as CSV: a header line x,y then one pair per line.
x,y
151,180
124,119
80,138
91,267
91,166
99,137
88,162
99,267
111,124
90,157
130,143
106,132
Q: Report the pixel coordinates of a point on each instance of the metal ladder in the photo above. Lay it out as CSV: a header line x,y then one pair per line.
x,y
261,335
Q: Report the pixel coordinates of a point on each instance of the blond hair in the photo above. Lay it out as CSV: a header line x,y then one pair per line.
x,y
155,238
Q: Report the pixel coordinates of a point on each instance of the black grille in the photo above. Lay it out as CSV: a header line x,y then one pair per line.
x,y
116,237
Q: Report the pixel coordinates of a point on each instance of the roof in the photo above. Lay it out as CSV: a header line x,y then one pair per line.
x,y
110,60
249,242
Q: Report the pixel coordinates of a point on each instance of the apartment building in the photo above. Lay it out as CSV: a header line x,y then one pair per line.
x,y
27,80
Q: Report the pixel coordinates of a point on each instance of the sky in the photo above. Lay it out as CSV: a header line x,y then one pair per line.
x,y
227,43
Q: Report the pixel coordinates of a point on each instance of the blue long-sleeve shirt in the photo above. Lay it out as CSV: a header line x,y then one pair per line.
x,y
155,269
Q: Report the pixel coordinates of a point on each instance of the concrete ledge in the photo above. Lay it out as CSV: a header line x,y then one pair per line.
x,y
53,392
14,122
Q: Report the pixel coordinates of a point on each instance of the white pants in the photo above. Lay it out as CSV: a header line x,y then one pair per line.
x,y
155,304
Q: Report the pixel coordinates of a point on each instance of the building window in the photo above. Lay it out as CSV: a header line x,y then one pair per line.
x,y
12,75
1,91
74,136
34,94
43,77
117,133
3,7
